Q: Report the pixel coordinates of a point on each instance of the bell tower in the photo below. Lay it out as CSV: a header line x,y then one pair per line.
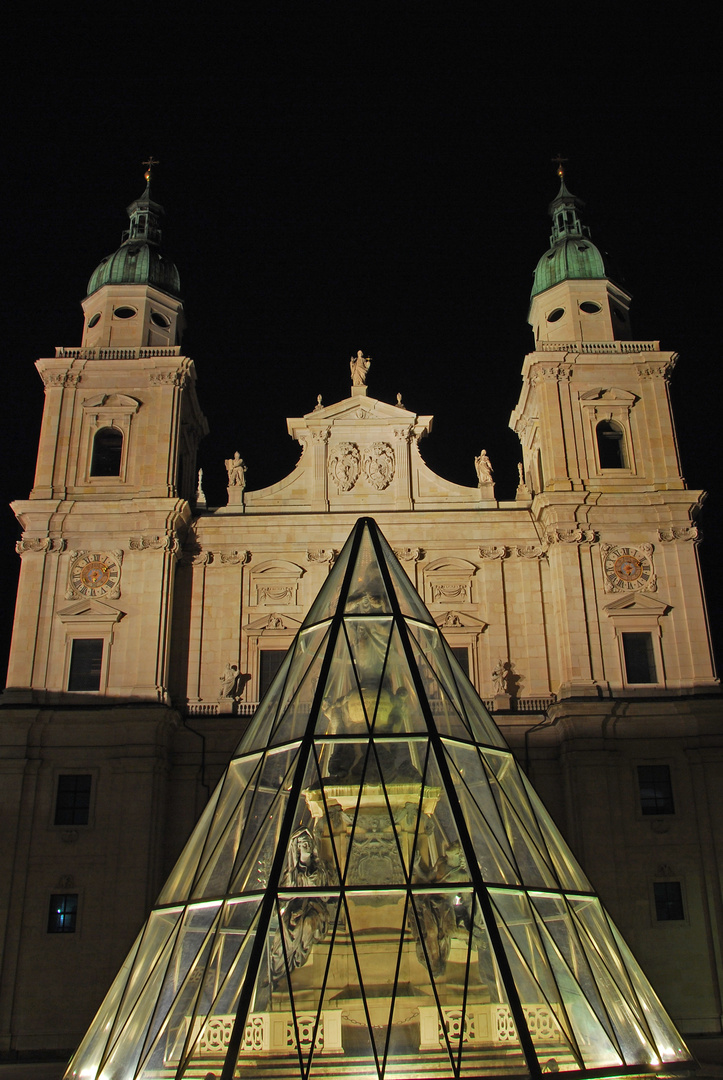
x,y
601,466
114,482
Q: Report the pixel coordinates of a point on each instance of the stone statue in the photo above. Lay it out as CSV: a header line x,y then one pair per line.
x,y
318,403
229,681
521,473
400,403
500,675
359,365
305,919
483,465
236,471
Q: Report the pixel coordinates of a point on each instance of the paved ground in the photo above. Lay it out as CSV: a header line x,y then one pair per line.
x,y
709,1052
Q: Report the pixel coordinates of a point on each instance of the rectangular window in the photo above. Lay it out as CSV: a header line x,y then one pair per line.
x,y
63,913
72,803
86,659
639,658
656,790
461,655
668,901
269,663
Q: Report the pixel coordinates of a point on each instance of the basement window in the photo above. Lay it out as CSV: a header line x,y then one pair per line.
x,y
72,801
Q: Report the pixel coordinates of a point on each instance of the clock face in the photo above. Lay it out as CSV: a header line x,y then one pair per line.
x,y
94,574
626,568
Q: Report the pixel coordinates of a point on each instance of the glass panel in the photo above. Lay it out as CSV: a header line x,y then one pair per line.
x,y
593,1034
134,1016
368,640
342,709
531,857
326,602
438,855
256,736
373,851
87,1057
398,708
367,594
177,995
206,1035
260,843
336,801
446,718
492,848
538,993
669,1044
408,598
218,856
554,913
568,868
299,697
624,1010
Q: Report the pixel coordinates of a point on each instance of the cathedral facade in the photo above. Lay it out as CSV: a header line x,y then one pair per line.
x,y
149,625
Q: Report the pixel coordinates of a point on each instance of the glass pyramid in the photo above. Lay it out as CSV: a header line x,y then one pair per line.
x,y
374,889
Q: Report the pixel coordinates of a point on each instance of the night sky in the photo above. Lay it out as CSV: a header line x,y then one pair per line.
x,y
375,176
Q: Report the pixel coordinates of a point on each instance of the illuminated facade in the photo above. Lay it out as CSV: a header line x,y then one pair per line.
x,y
149,625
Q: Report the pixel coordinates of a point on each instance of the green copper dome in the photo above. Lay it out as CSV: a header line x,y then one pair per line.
x,y
572,254
139,260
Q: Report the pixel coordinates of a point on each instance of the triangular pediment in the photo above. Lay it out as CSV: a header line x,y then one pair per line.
x,y
91,611
375,888
638,602
359,408
273,621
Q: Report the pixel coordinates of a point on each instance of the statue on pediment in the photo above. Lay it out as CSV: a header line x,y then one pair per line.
x,y
359,366
236,470
483,465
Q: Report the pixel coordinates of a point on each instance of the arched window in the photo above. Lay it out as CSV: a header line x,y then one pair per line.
x,y
611,445
107,450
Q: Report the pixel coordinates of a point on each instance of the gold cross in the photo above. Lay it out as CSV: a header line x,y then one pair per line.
x,y
560,161
150,163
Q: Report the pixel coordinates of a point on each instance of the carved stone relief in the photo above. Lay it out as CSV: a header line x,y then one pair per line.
x,y
680,532
345,466
40,543
496,551
322,555
378,465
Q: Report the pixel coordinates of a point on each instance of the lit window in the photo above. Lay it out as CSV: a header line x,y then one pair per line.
x,y
639,658
611,445
72,804
668,901
63,913
107,451
86,660
656,790
270,662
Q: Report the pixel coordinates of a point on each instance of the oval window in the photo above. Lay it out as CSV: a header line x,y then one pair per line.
x,y
556,314
589,307
94,319
160,320
124,312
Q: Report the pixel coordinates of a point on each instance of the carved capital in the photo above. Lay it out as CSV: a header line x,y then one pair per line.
x,y
409,554
40,543
233,558
321,435
404,434
196,558
531,551
173,377
657,371
154,543
551,373
572,535
60,378
680,532
497,551
322,555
